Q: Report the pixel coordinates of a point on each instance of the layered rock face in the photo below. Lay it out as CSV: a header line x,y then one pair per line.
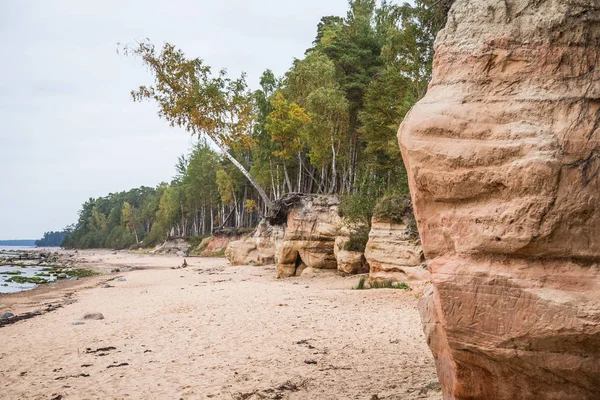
x,y
394,252
503,157
312,227
259,248
349,262
217,245
313,238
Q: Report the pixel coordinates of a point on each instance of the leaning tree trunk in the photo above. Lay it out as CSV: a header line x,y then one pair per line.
x,y
239,166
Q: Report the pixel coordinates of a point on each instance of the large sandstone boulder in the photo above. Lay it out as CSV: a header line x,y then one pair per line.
x,y
394,252
349,262
259,248
503,158
313,223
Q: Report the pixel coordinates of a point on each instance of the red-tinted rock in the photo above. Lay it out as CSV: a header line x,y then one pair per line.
x,y
503,157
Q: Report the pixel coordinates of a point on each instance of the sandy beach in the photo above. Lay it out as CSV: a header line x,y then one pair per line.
x,y
212,331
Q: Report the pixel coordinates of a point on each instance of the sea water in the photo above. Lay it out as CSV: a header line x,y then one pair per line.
x,y
29,271
13,287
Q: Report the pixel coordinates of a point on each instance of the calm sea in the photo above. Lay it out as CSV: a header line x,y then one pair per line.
x,y
17,248
8,271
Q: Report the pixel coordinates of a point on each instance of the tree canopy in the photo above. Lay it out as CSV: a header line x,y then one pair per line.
x,y
328,125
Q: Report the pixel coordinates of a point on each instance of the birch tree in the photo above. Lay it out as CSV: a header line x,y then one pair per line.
x,y
189,95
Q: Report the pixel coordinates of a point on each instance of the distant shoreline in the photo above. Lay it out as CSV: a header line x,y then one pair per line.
x,y
17,242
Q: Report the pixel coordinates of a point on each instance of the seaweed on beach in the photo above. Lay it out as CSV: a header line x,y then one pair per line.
x,y
27,279
82,273
15,272
31,314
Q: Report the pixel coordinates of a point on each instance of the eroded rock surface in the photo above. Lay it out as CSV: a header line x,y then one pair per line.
x,y
503,157
311,236
394,252
176,246
349,262
312,227
259,248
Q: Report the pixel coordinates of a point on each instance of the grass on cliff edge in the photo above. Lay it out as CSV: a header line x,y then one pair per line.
x,y
362,285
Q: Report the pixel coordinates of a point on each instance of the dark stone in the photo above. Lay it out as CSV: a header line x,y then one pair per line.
x,y
95,316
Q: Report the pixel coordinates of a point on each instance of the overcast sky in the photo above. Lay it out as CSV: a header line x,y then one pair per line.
x,y
68,128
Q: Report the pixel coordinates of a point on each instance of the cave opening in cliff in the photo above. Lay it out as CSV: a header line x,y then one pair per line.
x,y
299,265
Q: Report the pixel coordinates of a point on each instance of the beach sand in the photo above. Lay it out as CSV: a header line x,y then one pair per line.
x,y
212,331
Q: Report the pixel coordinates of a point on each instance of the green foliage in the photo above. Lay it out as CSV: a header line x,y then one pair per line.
x,y
14,272
284,124
357,208
386,103
328,126
82,273
51,239
393,208
201,246
102,224
27,279
409,46
359,236
357,211
363,285
388,285
226,187
195,241
191,96
398,209
119,238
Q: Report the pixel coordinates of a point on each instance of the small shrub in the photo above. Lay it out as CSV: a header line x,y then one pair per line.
x,y
194,241
357,208
397,209
361,283
393,208
402,286
358,239
200,247
381,285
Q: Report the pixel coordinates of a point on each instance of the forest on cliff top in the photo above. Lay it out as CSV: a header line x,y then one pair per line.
x,y
328,126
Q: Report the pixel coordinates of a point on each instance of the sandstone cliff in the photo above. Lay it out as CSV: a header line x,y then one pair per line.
x,y
313,224
305,232
394,253
261,247
349,262
503,156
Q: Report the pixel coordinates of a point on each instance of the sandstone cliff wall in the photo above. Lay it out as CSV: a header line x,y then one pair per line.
x,y
503,157
262,247
394,253
349,262
311,230
312,238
